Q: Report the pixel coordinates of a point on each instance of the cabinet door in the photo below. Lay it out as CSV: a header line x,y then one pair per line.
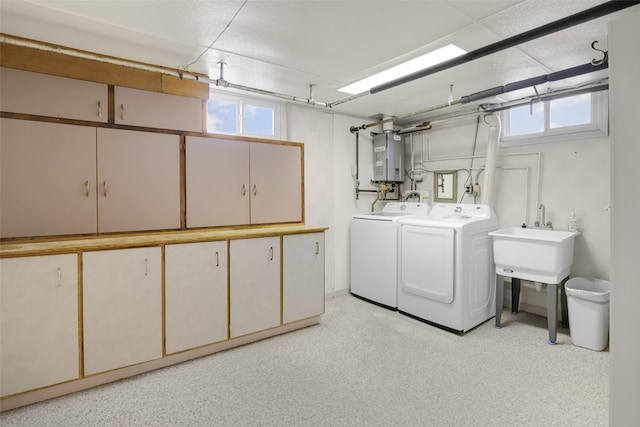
x,y
217,175
195,295
157,110
47,179
44,95
276,183
302,276
138,181
38,322
122,308
254,285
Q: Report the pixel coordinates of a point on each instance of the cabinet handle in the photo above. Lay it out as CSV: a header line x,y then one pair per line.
x,y
99,109
59,277
106,189
217,259
244,189
255,189
271,253
317,248
146,266
87,185
122,111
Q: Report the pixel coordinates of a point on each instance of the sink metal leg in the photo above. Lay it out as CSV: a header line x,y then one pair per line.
x,y
515,294
552,312
563,304
499,297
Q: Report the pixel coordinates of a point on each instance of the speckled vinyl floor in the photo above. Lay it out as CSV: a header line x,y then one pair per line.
x,y
362,366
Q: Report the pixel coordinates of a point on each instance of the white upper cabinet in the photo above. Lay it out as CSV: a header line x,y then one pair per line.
x,y
157,110
276,183
217,176
39,94
47,179
235,182
138,180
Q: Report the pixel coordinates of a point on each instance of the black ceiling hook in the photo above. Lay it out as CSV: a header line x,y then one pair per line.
x,y
604,59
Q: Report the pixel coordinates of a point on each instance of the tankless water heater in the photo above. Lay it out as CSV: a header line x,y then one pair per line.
x,y
388,157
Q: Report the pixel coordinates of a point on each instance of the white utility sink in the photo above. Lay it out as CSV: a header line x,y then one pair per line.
x,y
538,255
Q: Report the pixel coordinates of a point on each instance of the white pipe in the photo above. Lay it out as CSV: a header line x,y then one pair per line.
x,y
387,124
488,186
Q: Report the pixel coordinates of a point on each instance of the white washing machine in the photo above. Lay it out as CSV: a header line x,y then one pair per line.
x,y
374,252
446,270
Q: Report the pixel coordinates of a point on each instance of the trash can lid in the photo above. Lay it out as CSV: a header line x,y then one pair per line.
x,y
589,289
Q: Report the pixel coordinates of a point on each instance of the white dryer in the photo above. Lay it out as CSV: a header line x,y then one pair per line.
x,y
374,252
446,270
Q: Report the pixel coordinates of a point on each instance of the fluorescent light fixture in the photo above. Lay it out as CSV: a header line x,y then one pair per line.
x,y
427,60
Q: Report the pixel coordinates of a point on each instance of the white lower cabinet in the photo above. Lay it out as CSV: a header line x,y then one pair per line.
x,y
195,295
122,307
64,317
254,285
39,340
302,276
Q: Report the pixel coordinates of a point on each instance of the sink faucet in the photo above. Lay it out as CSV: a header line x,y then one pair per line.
x,y
541,222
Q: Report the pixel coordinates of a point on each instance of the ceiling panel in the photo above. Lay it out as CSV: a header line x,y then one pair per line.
x,y
528,15
481,9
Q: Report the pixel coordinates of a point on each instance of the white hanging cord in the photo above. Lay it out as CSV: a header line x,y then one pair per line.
x,y
186,67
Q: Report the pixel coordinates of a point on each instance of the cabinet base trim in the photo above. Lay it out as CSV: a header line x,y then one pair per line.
x,y
34,396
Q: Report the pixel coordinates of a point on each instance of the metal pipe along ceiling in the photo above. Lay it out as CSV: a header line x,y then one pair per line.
x,y
510,87
534,81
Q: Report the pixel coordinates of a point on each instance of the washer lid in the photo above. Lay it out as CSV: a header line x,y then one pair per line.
x,y
452,215
461,212
395,210
406,208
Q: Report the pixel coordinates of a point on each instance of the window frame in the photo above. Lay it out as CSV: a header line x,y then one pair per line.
x,y
241,102
598,127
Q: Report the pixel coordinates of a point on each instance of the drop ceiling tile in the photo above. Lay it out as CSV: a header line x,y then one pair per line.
x,y
528,15
570,47
343,41
481,9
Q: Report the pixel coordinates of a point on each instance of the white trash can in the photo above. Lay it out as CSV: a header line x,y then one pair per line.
x,y
588,304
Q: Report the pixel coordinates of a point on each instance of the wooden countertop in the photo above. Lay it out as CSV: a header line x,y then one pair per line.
x,y
42,246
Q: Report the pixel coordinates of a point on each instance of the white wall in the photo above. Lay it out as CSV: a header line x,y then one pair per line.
x,y
624,34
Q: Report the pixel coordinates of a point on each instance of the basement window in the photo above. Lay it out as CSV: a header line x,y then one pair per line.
x,y
559,119
242,116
